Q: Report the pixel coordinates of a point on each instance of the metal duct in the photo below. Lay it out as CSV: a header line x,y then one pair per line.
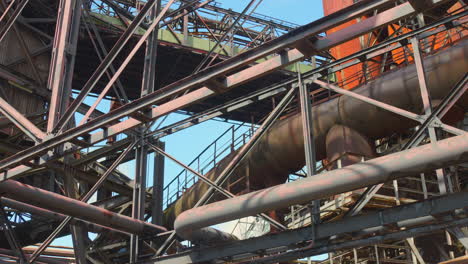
x,y
281,150
425,158
68,206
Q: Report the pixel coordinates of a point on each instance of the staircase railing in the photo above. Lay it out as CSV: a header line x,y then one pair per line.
x,y
230,140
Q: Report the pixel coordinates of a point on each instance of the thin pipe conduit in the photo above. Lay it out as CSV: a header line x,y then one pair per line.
x,y
425,158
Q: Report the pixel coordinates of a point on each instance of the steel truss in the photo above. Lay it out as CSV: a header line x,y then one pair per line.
x,y
55,145
236,79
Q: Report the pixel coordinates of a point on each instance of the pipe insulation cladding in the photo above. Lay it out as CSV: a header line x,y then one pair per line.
x,y
75,208
281,150
421,159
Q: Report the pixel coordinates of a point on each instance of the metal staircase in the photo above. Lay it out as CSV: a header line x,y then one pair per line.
x,y
229,141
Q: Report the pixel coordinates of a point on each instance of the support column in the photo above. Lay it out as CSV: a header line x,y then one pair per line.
x,y
63,59
158,186
139,193
427,106
309,143
185,27
79,233
60,82
148,83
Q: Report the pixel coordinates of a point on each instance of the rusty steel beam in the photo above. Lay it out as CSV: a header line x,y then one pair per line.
x,y
388,107
63,59
90,84
5,10
425,158
26,126
222,38
12,19
119,71
104,65
84,199
236,79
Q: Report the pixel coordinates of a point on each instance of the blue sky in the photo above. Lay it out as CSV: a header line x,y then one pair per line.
x,y
186,144
296,11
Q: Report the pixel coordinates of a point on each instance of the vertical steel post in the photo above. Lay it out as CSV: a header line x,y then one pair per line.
x,y
158,186
377,258
148,82
185,26
149,67
79,233
63,59
309,144
60,81
139,195
427,105
449,243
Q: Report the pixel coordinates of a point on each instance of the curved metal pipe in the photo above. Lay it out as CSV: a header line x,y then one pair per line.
x,y
71,207
425,158
281,150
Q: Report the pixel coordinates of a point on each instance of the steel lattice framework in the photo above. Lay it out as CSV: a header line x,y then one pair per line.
x,y
398,120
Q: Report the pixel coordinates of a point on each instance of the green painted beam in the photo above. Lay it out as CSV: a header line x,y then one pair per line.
x,y
167,36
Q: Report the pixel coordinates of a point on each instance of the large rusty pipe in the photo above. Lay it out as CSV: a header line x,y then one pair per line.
x,y
281,150
421,159
34,210
71,207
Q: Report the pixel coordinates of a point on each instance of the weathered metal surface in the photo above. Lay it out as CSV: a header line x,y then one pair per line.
x,y
71,207
37,211
281,151
232,81
19,94
369,223
347,145
425,158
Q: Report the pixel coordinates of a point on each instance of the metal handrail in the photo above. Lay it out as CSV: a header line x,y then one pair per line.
x,y
184,179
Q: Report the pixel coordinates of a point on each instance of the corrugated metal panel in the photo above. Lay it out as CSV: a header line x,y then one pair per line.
x,y
10,50
349,77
